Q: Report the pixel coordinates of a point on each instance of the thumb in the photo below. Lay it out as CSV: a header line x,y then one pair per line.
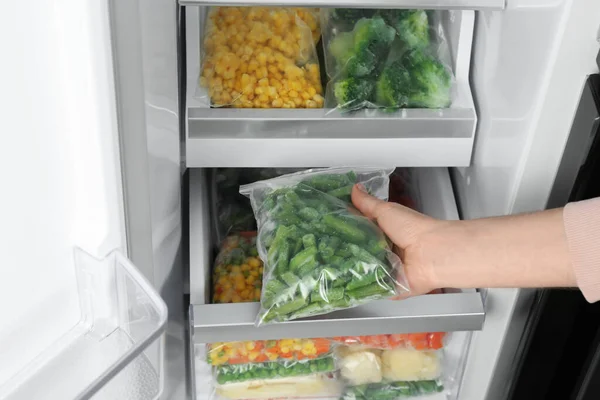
x,y
400,224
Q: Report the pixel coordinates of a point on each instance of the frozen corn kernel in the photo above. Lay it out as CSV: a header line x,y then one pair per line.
x,y
259,43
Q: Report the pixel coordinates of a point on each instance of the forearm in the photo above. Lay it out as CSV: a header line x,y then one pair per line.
x,y
528,250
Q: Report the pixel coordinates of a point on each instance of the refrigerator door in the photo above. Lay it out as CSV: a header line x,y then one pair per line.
x,y
529,65
78,319
562,356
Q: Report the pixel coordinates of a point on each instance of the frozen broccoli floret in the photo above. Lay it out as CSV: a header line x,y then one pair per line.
x,y
351,15
352,93
390,89
390,16
413,28
341,48
373,36
416,80
430,81
362,51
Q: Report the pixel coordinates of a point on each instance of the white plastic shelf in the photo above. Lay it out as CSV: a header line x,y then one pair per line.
x,y
452,311
227,137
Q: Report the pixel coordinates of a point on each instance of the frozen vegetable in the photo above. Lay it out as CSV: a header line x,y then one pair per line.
x,y
351,15
392,390
412,27
234,213
323,385
267,350
362,51
270,370
405,364
386,59
419,341
361,366
237,275
371,373
352,92
320,253
415,80
262,57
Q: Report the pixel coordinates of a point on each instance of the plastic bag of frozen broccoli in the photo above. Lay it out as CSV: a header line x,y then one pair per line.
x,y
320,253
385,59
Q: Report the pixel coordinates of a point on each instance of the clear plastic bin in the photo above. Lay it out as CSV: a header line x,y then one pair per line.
x,y
114,352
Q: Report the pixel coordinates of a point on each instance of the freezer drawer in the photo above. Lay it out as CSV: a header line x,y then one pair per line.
x,y
456,311
237,137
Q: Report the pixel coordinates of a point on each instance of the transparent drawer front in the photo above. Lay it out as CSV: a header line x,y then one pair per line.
x,y
115,351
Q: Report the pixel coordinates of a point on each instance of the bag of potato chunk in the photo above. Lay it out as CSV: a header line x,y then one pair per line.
x,y
261,57
392,373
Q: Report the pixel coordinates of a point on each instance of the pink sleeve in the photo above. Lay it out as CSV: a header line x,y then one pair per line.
x,y
582,227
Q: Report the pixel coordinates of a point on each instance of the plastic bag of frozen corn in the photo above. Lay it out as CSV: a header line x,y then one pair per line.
x,y
237,274
396,372
261,57
320,253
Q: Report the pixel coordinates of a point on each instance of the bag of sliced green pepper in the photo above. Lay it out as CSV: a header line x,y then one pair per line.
x,y
320,253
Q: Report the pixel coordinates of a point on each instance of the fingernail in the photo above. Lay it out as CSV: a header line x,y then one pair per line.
x,y
361,187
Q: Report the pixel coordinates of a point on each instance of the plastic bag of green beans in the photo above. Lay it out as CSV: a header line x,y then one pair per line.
x,y
320,253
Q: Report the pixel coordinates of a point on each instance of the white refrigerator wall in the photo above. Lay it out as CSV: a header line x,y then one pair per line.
x,y
529,67
59,167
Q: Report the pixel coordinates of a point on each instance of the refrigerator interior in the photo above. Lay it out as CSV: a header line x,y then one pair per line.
x,y
104,179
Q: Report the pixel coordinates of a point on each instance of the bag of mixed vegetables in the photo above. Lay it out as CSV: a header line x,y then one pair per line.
x,y
385,59
372,373
320,253
237,275
261,57
259,351
308,371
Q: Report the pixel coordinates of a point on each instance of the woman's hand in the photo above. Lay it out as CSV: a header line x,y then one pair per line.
x,y
527,250
419,239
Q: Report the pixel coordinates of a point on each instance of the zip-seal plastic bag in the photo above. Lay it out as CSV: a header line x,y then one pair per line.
x,y
261,57
259,351
272,370
392,373
237,274
386,59
233,210
317,386
392,391
320,253
417,341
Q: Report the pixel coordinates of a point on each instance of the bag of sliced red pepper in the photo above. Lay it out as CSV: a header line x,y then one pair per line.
x,y
417,341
